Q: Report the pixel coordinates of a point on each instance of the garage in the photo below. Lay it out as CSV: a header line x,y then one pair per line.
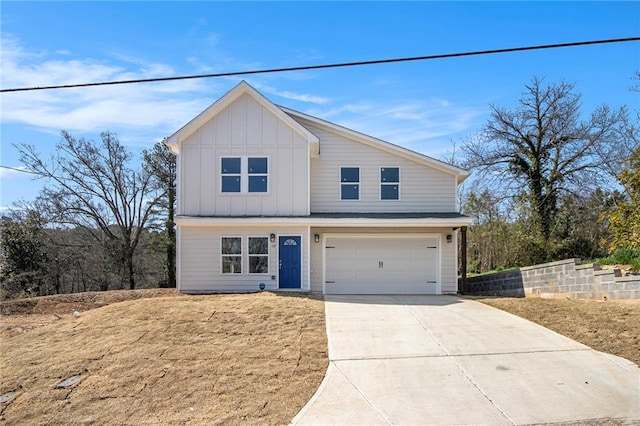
x,y
381,264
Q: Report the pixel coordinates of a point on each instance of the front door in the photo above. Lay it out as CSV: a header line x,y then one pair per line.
x,y
290,269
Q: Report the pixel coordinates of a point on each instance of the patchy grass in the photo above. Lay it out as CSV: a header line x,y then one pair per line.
x,y
612,326
220,359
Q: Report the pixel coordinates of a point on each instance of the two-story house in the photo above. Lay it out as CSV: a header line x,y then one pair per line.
x,y
268,195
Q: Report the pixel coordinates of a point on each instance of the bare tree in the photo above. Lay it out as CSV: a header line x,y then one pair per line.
x,y
160,163
95,187
544,149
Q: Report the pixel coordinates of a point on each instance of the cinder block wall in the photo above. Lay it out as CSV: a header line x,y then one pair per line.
x,y
561,279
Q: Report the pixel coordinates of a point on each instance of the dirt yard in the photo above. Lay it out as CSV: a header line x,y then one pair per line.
x,y
612,326
221,359
162,358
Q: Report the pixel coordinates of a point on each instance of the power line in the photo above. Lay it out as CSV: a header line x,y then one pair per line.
x,y
19,170
323,66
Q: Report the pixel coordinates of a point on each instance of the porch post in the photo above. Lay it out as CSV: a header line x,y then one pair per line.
x,y
464,260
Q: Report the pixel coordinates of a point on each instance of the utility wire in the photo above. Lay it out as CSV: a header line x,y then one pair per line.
x,y
19,170
336,65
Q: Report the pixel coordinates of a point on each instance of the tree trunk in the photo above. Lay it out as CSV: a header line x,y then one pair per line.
x,y
171,243
129,269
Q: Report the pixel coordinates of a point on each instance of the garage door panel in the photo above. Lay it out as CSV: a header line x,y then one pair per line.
x,y
381,265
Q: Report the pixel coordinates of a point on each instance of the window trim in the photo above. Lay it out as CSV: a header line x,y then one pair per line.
x,y
244,175
359,183
249,175
223,175
241,255
268,255
381,184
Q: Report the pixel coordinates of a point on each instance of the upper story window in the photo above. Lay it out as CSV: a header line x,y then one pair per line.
x,y
349,183
389,183
258,171
244,174
231,174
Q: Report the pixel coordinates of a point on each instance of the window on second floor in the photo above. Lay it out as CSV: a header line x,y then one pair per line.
x,y
258,171
389,183
349,183
231,169
244,174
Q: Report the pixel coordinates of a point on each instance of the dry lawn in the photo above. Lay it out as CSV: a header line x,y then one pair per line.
x,y
612,326
220,359
162,358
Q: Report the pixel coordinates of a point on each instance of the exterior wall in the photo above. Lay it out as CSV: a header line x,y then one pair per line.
x,y
422,188
448,267
244,128
199,268
565,278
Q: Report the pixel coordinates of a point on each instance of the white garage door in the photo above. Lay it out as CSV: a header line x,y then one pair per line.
x,y
365,264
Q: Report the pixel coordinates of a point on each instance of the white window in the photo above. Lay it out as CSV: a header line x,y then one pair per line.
x,y
258,171
349,183
244,174
231,169
389,183
231,252
258,255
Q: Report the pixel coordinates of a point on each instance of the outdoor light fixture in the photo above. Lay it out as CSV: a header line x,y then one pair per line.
x,y
272,238
316,238
449,238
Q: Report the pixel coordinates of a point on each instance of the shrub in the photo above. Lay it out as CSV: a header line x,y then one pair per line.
x,y
627,256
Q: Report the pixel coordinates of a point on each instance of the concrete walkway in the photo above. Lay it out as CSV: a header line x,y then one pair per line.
x,y
446,360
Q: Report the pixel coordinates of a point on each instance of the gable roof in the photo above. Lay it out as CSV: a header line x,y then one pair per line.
x,y
174,141
461,174
295,120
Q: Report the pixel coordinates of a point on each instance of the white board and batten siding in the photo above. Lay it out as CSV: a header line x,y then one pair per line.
x,y
200,263
422,188
244,129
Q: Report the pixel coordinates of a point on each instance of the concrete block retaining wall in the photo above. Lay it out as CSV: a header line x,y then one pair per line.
x,y
561,279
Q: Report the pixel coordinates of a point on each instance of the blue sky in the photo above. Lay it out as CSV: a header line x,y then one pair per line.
x,y
425,106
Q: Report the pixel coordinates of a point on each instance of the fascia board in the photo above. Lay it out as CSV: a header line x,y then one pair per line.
x,y
240,89
326,222
461,174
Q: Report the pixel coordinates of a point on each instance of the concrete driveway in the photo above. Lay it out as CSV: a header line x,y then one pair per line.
x,y
446,360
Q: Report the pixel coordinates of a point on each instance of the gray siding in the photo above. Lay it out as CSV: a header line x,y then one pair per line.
x,y
199,269
244,129
422,188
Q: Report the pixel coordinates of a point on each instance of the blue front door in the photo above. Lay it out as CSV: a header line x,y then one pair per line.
x,y
290,268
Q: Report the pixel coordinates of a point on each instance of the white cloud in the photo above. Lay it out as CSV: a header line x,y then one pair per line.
x,y
422,125
301,97
144,113
151,109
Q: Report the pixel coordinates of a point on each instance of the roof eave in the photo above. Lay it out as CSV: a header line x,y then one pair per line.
x,y
175,140
222,221
460,173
